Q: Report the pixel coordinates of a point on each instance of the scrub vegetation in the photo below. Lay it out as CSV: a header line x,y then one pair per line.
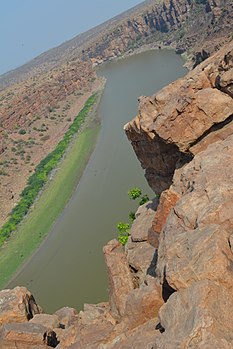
x,y
124,228
38,179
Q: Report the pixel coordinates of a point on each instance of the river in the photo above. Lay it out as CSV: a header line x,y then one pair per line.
x,y
68,269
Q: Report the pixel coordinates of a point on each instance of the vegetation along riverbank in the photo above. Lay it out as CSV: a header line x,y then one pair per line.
x,y
71,155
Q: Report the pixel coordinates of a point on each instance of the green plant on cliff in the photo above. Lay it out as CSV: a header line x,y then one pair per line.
x,y
123,232
144,199
132,216
134,193
124,228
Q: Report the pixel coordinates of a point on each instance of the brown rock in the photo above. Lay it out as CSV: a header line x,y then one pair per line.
x,y
67,337
17,305
26,336
142,304
89,327
156,156
172,121
143,221
191,117
93,312
231,242
49,321
92,326
194,244
216,134
119,275
66,316
153,238
167,201
92,334
142,337
197,317
140,257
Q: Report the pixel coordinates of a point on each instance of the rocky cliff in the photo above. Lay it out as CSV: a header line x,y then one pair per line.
x,y
40,99
198,27
183,138
171,287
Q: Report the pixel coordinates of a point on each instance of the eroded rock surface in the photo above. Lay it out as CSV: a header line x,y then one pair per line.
x,y
195,240
198,317
181,115
194,218
17,305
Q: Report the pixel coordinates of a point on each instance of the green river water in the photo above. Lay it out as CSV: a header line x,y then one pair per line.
x,y
68,269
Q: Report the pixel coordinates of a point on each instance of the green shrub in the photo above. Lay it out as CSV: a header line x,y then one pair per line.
x,y
123,232
134,193
144,199
124,228
22,132
132,216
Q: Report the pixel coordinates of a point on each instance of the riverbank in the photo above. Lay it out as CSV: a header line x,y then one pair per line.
x,y
52,200
154,46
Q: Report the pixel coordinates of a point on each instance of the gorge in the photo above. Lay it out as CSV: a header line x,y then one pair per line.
x,y
77,240
171,286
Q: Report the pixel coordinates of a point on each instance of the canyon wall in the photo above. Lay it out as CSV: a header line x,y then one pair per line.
x,y
171,286
40,99
183,137
198,27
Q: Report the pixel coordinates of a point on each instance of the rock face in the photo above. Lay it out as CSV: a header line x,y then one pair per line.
x,y
198,317
202,219
189,124
183,118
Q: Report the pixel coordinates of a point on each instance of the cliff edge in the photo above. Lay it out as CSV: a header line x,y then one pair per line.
x,y
171,287
183,137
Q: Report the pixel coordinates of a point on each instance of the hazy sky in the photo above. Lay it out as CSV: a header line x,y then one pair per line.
x,y
30,27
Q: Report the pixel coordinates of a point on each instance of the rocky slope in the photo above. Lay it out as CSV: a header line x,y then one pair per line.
x,y
198,27
171,287
34,117
39,100
187,129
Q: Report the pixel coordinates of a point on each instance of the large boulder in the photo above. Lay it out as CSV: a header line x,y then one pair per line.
x,y
17,305
26,336
173,121
49,321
